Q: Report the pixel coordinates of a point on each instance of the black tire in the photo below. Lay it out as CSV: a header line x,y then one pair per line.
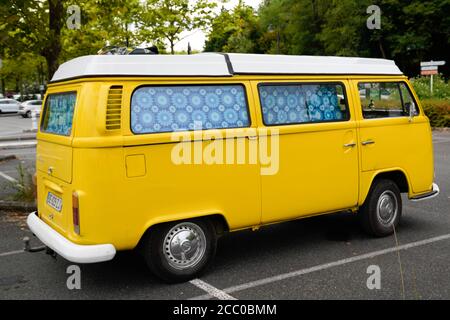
x,y
25,115
28,114
158,255
376,216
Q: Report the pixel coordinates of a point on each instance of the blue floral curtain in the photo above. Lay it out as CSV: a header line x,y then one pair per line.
x,y
179,108
58,115
286,104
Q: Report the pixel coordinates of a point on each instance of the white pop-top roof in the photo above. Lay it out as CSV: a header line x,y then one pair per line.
x,y
217,64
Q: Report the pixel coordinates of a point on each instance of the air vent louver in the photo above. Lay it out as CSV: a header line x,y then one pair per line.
x,y
114,108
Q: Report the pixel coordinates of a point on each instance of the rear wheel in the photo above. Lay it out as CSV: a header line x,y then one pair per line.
x,y
180,251
382,209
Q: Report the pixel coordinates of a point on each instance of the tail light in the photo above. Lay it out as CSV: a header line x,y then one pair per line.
x,y
76,212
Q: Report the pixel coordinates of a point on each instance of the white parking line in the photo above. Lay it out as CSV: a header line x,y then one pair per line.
x,y
297,273
4,254
9,178
212,291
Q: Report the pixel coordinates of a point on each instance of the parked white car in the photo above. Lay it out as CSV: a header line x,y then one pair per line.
x,y
27,108
9,105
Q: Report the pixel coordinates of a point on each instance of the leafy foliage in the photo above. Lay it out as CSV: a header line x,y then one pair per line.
x,y
234,31
168,19
441,88
412,31
438,111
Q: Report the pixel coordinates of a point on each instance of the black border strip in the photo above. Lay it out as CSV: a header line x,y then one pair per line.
x,y
135,76
320,74
222,76
229,64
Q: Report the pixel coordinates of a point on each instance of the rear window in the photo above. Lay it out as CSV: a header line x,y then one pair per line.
x,y
181,108
58,113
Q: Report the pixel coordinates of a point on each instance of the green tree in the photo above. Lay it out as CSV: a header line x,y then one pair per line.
x,y
235,31
343,28
292,26
33,26
103,22
168,19
23,73
40,27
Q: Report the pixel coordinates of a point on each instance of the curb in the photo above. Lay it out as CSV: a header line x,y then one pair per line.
x,y
24,207
18,145
30,136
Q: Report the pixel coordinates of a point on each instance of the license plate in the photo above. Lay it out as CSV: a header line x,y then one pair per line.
x,y
54,201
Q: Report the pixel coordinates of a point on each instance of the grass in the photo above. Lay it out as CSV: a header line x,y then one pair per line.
x,y
24,189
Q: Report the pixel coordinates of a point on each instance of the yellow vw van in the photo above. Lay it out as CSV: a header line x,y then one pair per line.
x,y
166,153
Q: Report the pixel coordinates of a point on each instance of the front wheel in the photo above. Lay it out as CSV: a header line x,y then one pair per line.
x,y
180,251
382,210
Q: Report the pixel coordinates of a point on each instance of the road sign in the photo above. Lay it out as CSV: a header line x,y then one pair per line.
x,y
428,72
432,63
429,68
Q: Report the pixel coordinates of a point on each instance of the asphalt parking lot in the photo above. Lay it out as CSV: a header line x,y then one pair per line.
x,y
12,124
325,257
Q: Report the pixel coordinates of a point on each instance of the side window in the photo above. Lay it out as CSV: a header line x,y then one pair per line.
x,y
302,103
408,100
384,99
177,108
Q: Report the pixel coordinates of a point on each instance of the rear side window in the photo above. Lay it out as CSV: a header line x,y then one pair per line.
x,y
58,113
385,99
180,108
302,103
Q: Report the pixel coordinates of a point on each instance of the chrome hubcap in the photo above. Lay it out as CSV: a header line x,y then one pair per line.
x,y
387,207
184,245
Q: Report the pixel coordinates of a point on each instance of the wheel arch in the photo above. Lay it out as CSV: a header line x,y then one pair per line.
x,y
218,220
398,175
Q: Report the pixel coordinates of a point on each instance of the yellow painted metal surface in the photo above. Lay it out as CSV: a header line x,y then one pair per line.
x,y
127,183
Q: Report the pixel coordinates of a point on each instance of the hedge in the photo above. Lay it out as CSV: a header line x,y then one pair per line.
x,y
438,111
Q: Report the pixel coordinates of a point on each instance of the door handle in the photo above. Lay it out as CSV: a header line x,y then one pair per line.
x,y
350,145
366,142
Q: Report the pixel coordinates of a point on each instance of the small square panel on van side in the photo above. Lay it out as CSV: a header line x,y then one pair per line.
x,y
135,165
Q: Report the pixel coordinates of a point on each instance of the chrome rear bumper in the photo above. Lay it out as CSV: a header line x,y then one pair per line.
x,y
67,249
